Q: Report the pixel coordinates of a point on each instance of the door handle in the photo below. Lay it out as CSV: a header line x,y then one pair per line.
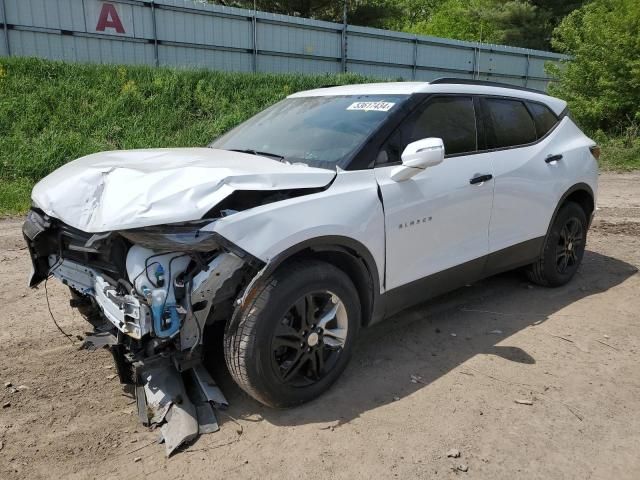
x,y
480,179
553,158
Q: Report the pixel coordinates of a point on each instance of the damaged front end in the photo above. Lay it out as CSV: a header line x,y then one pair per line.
x,y
149,294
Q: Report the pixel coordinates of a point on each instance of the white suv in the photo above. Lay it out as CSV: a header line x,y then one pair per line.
x,y
325,213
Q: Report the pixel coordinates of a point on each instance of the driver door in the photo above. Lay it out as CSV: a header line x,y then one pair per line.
x,y
438,219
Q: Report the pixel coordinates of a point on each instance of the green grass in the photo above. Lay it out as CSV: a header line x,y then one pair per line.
x,y
54,112
620,153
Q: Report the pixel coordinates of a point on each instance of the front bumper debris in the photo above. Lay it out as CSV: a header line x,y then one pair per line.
x,y
182,403
125,312
173,389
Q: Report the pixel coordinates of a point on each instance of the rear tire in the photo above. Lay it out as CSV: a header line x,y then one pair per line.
x,y
563,248
295,336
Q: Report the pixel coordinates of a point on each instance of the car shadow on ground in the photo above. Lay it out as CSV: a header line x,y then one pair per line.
x,y
419,342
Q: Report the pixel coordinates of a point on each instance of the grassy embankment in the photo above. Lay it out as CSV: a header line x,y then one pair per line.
x,y
53,112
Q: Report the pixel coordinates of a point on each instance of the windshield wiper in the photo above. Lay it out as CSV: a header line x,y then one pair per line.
x,y
256,152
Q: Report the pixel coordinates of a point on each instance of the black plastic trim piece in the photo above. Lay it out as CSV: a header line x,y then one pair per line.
x,y
483,83
419,291
249,259
339,244
553,158
424,289
513,257
576,188
481,179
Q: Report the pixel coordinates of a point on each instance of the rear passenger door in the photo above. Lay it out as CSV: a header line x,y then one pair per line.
x,y
519,137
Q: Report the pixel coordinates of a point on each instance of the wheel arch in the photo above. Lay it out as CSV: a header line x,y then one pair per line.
x,y
345,253
580,193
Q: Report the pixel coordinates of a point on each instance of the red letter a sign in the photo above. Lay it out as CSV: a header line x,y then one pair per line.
x,y
109,19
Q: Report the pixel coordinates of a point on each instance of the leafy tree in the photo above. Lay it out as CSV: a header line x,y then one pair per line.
x,y
412,13
463,20
558,9
602,81
522,23
373,13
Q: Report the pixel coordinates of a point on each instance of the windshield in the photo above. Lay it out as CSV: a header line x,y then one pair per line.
x,y
319,131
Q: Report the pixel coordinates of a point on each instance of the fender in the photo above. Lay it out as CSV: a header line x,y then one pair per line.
x,y
362,269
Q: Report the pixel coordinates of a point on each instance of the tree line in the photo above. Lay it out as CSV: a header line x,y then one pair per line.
x,y
521,23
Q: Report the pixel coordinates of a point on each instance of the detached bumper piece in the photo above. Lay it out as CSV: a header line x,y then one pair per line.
x,y
182,404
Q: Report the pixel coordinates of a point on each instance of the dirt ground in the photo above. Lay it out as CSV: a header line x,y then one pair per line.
x,y
412,392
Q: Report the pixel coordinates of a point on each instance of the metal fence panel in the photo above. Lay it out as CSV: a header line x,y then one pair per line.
x,y
286,64
187,57
198,29
4,50
388,49
536,67
500,63
298,40
382,71
79,49
450,58
58,14
181,33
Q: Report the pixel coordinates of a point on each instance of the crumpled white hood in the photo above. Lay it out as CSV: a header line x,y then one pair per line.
x,y
137,188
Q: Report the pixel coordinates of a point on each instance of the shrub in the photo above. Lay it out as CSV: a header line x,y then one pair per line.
x,y
602,81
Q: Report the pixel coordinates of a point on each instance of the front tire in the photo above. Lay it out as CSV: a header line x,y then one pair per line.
x,y
294,338
563,249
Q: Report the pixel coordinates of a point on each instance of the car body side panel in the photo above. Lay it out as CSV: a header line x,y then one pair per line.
x,y
527,189
350,208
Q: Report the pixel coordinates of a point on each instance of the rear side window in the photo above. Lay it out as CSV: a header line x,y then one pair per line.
x,y
450,118
510,123
543,117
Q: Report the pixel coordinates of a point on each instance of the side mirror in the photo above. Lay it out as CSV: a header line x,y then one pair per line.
x,y
419,156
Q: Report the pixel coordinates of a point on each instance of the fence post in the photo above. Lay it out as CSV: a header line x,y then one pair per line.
x,y
474,66
526,74
155,34
5,28
254,25
344,38
415,58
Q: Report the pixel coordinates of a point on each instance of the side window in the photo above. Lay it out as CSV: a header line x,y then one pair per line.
x,y
543,117
450,118
510,123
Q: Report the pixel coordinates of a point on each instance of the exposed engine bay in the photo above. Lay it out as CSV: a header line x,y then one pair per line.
x,y
149,294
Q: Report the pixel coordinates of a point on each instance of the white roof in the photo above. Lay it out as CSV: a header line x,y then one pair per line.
x,y
409,88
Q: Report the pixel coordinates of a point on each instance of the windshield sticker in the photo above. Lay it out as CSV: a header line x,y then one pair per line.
x,y
371,106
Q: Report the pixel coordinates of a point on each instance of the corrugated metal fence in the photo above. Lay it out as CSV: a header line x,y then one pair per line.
x,y
187,33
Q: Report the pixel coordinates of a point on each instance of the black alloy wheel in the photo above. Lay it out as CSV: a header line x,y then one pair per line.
x,y
309,339
570,244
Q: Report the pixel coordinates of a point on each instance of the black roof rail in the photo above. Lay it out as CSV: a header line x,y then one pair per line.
x,y
468,81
